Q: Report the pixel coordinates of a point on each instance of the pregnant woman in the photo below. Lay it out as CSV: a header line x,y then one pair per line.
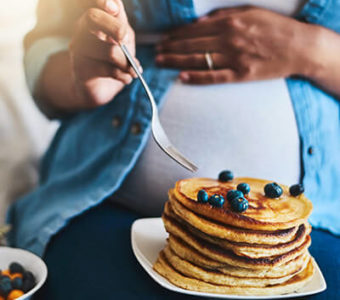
x,y
254,89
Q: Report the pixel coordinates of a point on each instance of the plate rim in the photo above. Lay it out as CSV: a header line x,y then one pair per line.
x,y
147,266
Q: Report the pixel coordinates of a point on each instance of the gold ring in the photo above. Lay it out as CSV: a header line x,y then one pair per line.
x,y
209,60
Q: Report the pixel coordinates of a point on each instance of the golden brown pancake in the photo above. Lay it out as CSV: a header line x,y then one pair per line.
x,y
258,250
247,249
229,232
263,213
261,251
163,267
216,277
226,256
188,253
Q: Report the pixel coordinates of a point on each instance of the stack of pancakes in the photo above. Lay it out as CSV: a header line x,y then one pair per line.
x,y
262,251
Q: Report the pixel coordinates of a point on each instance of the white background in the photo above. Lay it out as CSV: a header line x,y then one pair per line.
x,y
24,132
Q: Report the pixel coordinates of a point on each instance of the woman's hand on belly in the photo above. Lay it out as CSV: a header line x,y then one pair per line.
x,y
245,43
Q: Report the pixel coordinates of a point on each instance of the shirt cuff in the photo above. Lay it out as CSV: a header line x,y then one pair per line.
x,y
37,56
313,10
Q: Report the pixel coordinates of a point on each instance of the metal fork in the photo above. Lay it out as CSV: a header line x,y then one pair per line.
x,y
156,126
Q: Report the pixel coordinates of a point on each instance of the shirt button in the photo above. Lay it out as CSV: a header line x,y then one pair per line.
x,y
310,150
136,128
116,121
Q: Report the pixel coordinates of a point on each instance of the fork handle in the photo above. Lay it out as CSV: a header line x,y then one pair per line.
x,y
139,74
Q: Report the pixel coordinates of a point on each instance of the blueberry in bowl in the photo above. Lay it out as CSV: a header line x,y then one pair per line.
x,y
21,274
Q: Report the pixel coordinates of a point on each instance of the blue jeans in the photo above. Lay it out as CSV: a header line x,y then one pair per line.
x,y
92,259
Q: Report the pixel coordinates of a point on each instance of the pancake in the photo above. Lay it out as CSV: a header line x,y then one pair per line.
x,y
263,213
247,249
256,250
261,251
231,233
216,277
163,267
188,253
226,256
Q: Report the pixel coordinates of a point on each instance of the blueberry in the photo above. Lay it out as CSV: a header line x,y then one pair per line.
x,y
244,188
28,284
17,283
28,276
216,200
226,176
296,189
28,281
202,196
15,267
273,190
5,278
239,204
232,194
5,287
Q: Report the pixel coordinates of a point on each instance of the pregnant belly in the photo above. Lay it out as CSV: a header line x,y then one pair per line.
x,y
249,128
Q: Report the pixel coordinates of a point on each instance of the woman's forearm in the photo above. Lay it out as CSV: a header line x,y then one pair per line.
x,y
55,90
324,59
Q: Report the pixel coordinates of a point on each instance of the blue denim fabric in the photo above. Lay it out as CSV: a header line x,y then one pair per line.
x,y
322,12
89,158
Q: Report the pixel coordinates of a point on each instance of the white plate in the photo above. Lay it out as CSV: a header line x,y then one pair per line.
x,y
148,238
29,261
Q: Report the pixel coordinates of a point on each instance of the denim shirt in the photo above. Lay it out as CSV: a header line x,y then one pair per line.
x,y
94,151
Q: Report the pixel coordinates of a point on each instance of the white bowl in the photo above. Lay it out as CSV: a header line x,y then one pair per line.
x,y
29,261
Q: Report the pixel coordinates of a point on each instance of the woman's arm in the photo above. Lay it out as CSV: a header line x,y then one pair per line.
x,y
250,43
325,60
93,69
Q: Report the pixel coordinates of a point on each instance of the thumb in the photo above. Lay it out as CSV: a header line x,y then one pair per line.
x,y
116,8
110,6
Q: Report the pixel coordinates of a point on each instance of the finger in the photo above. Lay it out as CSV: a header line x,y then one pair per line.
x,y
113,7
98,91
89,46
87,69
121,76
109,6
96,82
209,24
98,22
122,16
178,61
208,77
194,61
192,45
228,11
206,27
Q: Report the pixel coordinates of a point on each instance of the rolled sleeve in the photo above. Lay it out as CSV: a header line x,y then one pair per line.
x,y
322,12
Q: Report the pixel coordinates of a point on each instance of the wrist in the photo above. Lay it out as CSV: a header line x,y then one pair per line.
x,y
311,59
53,92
